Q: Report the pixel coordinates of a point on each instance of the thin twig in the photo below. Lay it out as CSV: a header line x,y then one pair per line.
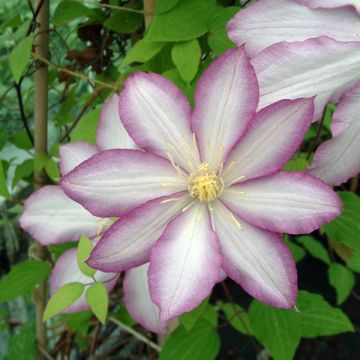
x,y
122,8
76,74
22,112
44,352
3,96
35,15
136,334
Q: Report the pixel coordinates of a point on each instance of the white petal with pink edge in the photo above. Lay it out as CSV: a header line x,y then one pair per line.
x,y
128,241
323,67
338,159
111,133
114,182
257,260
313,4
66,270
225,101
291,202
138,300
266,146
51,217
73,154
184,264
264,24
156,114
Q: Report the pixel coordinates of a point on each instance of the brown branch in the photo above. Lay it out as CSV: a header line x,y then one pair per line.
x,y
22,112
32,25
149,11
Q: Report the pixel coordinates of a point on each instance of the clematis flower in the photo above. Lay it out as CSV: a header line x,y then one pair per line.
x,y
319,66
206,190
52,218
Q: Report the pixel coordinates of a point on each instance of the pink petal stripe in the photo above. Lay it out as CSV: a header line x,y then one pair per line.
x,y
259,261
313,4
225,101
184,264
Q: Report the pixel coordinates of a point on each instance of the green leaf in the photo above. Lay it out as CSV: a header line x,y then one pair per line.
x,y
14,21
346,228
40,161
3,183
210,314
83,252
22,345
201,343
23,171
278,330
354,262
296,165
2,139
52,169
123,315
69,10
189,319
23,279
142,52
86,129
78,322
19,57
98,300
318,318
342,279
314,248
124,22
187,20
16,209
21,140
162,6
218,39
63,298
237,317
186,56
297,251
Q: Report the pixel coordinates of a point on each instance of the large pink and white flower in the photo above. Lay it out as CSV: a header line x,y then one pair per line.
x,y
206,190
51,217
325,65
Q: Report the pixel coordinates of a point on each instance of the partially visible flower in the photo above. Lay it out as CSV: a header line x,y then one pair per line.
x,y
219,198
52,218
321,67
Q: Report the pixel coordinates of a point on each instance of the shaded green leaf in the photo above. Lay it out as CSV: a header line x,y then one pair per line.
x,y
83,252
123,315
218,39
69,10
98,300
297,251
63,298
40,161
3,183
189,319
21,140
315,248
278,330
142,52
296,165
237,317
22,345
23,171
187,20
52,169
162,6
124,21
186,56
318,318
342,279
86,129
23,279
346,228
79,321
19,57
201,343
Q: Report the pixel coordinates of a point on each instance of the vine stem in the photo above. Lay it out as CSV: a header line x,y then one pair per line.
x,y
41,45
149,10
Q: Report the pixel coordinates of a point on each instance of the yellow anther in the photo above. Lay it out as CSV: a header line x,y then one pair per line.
x,y
204,184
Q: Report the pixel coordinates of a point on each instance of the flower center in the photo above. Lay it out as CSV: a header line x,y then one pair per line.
x,y
204,184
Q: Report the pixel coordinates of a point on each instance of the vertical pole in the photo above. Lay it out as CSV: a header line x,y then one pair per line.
x,y
149,10
41,47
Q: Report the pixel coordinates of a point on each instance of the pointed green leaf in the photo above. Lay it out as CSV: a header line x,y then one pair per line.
x,y
3,183
162,6
189,319
123,21
278,330
19,57
318,318
98,300
315,248
201,343
40,161
84,250
23,171
186,56
237,317
63,298
68,10
23,279
296,165
342,279
142,52
52,169
86,129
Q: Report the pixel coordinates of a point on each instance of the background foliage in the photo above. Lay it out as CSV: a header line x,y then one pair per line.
x,y
94,45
